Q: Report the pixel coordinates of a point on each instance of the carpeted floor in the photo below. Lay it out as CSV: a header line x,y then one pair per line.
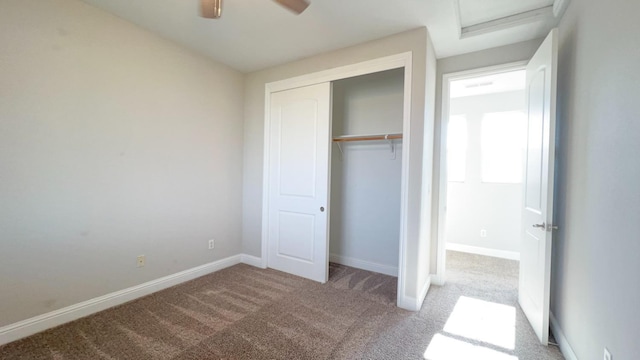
x,y
248,313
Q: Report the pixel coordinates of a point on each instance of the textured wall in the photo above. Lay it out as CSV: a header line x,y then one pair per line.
x,y
595,273
113,143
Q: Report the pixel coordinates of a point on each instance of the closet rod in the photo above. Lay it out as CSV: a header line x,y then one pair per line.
x,y
367,137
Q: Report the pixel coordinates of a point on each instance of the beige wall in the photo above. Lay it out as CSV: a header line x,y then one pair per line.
x,y
113,143
595,274
415,41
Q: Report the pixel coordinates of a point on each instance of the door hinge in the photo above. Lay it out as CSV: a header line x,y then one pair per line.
x,y
544,226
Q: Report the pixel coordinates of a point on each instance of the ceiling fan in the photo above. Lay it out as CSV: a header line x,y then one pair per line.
x,y
212,9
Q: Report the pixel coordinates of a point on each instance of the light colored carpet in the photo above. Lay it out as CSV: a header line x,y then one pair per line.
x,y
248,313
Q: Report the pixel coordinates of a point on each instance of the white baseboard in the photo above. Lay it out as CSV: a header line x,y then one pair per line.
x,y
503,254
437,280
364,265
251,260
565,348
415,304
407,303
58,317
423,293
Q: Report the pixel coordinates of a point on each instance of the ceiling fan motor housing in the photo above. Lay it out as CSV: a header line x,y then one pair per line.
x,y
211,9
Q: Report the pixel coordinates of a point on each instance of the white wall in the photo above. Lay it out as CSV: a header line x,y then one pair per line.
x,y
491,57
416,41
596,272
113,143
473,205
428,169
366,177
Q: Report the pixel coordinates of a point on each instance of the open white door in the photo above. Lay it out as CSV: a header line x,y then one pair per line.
x,y
535,253
298,181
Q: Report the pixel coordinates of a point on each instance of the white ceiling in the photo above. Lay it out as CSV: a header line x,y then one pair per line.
x,y
256,34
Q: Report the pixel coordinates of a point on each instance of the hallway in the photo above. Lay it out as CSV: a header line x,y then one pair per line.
x,y
475,314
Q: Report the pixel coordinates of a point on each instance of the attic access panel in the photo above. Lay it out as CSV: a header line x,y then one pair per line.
x,y
479,17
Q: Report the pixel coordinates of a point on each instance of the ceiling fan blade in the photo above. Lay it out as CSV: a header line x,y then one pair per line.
x,y
297,6
211,9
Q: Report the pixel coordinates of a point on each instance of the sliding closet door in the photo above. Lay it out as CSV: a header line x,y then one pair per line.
x,y
299,181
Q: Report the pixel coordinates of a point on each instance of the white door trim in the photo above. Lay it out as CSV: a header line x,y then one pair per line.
x,y
402,60
440,278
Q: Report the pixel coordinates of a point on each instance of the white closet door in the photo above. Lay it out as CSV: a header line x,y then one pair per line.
x,y
537,214
299,181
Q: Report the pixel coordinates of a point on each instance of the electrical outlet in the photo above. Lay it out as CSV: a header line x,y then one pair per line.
x,y
607,354
211,244
140,260
483,233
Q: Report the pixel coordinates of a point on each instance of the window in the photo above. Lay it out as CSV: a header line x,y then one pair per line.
x,y
457,148
503,141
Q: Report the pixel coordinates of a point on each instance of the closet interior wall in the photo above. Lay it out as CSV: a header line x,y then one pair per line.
x,y
366,175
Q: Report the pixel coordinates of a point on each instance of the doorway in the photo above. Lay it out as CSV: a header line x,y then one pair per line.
x,y
484,140
537,177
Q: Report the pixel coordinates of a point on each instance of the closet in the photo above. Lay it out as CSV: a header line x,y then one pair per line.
x,y
336,176
366,171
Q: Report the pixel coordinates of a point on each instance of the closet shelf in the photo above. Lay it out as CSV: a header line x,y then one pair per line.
x,y
345,138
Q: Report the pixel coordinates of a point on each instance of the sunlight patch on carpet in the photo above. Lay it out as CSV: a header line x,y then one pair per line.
x,y
446,348
483,321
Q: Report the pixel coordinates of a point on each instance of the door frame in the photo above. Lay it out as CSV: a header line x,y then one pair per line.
x,y
440,277
401,60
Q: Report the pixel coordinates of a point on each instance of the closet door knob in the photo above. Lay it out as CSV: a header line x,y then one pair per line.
x,y
321,208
